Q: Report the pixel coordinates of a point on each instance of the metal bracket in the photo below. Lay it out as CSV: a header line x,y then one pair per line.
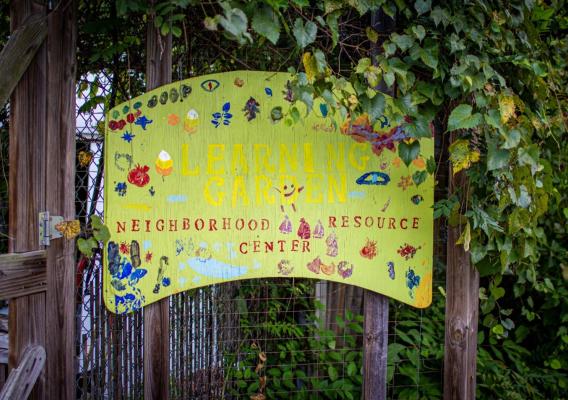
x,y
47,230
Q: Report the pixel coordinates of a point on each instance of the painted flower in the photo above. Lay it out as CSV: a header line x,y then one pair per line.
x,y
139,176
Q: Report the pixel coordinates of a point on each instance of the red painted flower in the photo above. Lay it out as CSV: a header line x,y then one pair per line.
x,y
113,125
148,257
369,250
139,176
130,118
121,124
124,248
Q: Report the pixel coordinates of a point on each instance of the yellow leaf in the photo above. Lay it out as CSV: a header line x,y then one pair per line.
x,y
69,229
465,237
507,108
461,156
310,65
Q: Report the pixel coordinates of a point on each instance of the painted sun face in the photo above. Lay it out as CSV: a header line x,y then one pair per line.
x,y
288,190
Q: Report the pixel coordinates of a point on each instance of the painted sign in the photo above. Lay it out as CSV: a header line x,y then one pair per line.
x,y
207,181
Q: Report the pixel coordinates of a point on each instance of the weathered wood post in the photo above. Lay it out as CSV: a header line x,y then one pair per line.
x,y
376,306
27,188
462,301
157,315
59,175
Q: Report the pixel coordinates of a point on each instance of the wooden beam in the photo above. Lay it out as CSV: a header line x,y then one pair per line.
x,y
462,301
60,198
19,52
157,315
28,112
22,274
376,306
23,378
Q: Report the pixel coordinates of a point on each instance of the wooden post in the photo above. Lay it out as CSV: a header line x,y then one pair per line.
x,y
462,301
27,188
59,178
376,306
157,315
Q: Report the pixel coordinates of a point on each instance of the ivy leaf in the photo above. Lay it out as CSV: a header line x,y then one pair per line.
x,y
462,156
423,6
408,152
265,22
465,237
304,34
506,108
372,34
404,42
496,158
461,118
235,23
513,138
419,31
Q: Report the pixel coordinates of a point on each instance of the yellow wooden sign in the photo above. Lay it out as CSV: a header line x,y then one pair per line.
x,y
207,181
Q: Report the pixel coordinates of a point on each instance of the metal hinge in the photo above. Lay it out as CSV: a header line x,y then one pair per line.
x,y
47,229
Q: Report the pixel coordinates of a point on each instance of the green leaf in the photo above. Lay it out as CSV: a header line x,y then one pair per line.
x,y
423,6
404,42
496,158
102,234
513,138
461,118
351,369
265,22
235,23
408,152
419,31
372,34
332,372
498,330
555,364
85,247
304,34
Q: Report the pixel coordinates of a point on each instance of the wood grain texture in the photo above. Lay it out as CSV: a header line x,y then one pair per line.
x,y
22,274
27,187
22,379
18,53
60,184
462,301
375,341
157,315
376,306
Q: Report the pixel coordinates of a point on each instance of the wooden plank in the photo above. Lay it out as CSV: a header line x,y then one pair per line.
x,y
157,315
462,302
27,187
60,181
22,379
19,52
22,274
376,306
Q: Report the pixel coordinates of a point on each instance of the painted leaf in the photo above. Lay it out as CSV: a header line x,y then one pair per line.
x,y
408,152
461,155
